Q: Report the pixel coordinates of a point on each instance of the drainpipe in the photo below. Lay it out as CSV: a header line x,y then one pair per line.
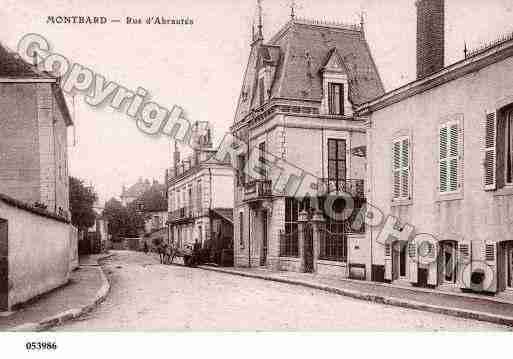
x,y
249,238
54,120
210,180
210,204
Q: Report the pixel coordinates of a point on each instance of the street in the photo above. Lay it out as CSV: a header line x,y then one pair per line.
x,y
146,295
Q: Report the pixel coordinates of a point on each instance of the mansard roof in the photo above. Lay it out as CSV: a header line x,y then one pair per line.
x,y
299,52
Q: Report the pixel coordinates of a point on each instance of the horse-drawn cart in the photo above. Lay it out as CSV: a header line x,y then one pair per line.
x,y
168,253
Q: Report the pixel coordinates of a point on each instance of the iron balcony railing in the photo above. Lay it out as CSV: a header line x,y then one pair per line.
x,y
355,187
257,189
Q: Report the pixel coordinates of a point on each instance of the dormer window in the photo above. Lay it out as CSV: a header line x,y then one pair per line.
x,y
336,98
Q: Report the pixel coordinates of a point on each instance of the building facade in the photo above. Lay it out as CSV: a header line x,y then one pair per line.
x,y
33,124
198,188
296,106
38,246
440,155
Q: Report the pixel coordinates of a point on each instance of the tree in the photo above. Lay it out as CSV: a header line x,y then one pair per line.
x,y
123,221
82,199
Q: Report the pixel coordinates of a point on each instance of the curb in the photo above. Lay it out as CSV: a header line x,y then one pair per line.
x,y
398,302
70,314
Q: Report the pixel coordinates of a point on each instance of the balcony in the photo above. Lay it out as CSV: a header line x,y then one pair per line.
x,y
186,214
355,187
256,190
183,214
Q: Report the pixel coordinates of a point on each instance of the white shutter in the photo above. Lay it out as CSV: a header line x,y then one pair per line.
x,y
401,168
413,262
465,263
450,149
454,157
490,151
396,170
443,154
490,256
405,168
432,259
388,261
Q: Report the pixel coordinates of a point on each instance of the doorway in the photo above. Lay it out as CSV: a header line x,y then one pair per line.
x,y
308,247
448,262
399,254
4,267
263,256
507,271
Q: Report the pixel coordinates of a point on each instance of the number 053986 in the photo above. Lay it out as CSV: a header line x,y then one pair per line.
x,y
41,345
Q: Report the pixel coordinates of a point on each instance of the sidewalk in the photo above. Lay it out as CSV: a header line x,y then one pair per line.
x,y
471,306
86,288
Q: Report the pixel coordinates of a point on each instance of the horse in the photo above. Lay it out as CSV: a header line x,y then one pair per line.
x,y
166,253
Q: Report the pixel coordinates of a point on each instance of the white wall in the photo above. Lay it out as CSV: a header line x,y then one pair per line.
x,y
476,214
38,253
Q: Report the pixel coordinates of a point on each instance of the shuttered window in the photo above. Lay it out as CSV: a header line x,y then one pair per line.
x,y
509,147
450,156
490,151
401,168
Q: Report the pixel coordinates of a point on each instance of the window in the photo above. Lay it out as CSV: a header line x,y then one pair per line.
x,y
241,177
261,91
336,164
401,168
449,144
508,141
241,229
336,98
262,160
289,239
199,195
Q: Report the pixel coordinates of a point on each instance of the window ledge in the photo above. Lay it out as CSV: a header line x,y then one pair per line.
x,y
289,258
401,202
332,263
505,191
449,196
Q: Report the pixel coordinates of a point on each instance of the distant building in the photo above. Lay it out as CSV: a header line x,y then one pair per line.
x,y
200,190
440,156
153,205
130,194
296,105
38,246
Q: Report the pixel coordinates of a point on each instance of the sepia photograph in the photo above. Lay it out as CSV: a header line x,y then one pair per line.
x,y
254,167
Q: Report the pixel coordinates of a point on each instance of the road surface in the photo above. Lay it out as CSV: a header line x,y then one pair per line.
x,y
146,295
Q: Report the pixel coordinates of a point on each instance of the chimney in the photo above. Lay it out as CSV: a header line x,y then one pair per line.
x,y
430,37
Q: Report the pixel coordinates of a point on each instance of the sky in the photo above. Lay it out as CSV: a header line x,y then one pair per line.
x,y
200,67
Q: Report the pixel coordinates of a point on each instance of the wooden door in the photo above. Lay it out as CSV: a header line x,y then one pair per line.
x,y
4,267
308,248
263,257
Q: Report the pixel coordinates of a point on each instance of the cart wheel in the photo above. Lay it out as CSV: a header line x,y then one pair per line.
x,y
186,261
